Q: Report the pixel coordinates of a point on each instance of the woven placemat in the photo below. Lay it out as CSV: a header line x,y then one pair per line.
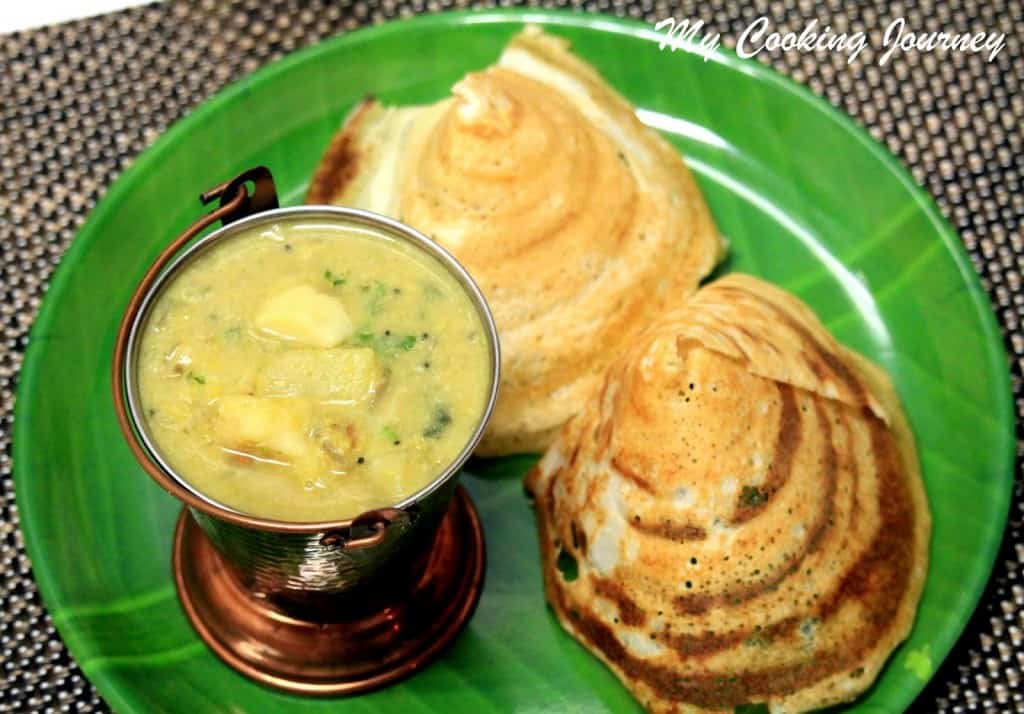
x,y
79,101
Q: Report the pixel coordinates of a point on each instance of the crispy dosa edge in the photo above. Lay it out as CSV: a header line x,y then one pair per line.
x,y
341,161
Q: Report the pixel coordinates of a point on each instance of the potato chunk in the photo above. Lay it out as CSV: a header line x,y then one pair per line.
x,y
337,375
305,315
265,428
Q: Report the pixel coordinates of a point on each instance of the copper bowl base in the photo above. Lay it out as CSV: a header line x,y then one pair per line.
x,y
328,659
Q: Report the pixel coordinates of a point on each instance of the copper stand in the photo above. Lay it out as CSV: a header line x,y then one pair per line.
x,y
308,657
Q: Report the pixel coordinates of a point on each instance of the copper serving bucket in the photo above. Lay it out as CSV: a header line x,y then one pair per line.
x,y
345,571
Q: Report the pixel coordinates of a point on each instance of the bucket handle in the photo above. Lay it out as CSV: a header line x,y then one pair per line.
x,y
377,520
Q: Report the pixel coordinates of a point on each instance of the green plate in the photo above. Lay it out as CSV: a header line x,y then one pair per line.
x,y
807,199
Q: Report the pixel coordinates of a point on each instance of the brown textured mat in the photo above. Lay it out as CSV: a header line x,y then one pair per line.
x,y
79,101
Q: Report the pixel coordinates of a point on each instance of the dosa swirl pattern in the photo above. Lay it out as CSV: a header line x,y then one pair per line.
x,y
738,515
577,221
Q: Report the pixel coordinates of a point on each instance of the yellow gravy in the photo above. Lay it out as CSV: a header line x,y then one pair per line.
x,y
309,371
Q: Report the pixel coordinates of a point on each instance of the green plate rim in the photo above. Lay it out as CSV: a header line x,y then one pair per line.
x,y
148,157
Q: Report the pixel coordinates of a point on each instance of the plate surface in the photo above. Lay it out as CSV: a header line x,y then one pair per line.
x,y
807,199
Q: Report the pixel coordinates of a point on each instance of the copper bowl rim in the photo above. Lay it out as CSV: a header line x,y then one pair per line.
x,y
173,259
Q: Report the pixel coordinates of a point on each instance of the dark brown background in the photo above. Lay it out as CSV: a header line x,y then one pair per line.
x,y
79,101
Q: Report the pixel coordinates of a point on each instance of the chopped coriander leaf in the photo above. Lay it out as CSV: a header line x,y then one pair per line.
x,y
440,419
384,344
752,497
333,278
378,292
197,378
389,345
389,433
567,565
758,640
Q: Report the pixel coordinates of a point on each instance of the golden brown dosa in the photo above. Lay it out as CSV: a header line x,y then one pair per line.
x,y
743,509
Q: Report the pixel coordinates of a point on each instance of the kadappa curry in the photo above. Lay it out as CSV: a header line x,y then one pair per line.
x,y
309,371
